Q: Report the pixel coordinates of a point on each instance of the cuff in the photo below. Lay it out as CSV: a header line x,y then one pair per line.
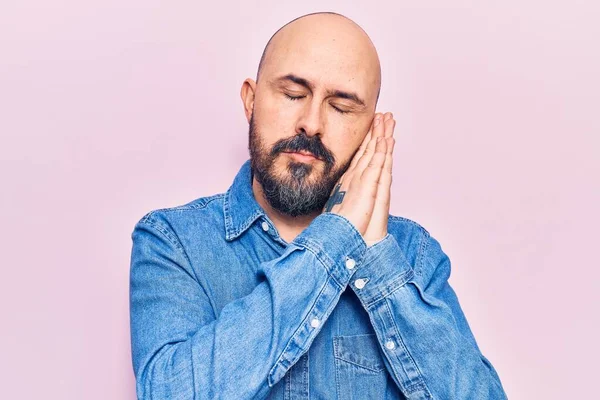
x,y
336,242
384,269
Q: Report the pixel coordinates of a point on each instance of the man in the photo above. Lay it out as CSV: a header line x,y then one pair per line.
x,y
297,283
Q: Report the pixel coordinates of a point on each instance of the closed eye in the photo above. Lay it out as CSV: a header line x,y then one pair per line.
x,y
293,97
340,111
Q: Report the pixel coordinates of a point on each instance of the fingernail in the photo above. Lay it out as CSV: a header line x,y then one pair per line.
x,y
376,121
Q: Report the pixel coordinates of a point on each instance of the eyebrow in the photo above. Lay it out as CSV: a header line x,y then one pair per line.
x,y
336,93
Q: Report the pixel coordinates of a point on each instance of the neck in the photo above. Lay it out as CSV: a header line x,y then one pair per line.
x,y
288,227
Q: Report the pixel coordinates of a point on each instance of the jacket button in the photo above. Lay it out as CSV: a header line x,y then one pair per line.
x,y
265,226
314,323
390,345
350,263
360,283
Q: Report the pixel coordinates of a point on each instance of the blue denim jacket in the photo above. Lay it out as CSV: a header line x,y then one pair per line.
x,y
223,308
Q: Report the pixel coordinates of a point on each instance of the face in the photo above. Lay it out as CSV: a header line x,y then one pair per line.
x,y
314,98
302,186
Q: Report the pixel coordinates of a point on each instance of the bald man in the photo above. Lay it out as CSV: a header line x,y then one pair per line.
x,y
297,283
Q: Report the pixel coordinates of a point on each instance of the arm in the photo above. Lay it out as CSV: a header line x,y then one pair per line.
x,y
182,350
428,346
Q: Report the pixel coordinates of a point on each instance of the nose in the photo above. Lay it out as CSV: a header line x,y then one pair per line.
x,y
310,121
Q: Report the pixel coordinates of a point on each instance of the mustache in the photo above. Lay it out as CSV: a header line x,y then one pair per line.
x,y
303,142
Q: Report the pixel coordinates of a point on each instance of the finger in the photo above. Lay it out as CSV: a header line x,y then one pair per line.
x,y
385,179
384,185
387,166
378,126
386,173
391,161
389,126
365,159
371,174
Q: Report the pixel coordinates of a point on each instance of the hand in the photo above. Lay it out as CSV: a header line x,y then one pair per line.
x,y
356,193
377,228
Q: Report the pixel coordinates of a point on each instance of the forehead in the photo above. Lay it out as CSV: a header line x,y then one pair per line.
x,y
331,59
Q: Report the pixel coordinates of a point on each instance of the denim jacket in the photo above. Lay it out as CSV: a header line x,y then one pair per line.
x,y
222,307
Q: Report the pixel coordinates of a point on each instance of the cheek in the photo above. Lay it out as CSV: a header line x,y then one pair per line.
x,y
272,121
344,141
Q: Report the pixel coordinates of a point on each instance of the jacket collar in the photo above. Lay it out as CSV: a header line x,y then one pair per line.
x,y
240,208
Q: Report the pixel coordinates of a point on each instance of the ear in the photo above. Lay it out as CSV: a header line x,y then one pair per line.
x,y
247,94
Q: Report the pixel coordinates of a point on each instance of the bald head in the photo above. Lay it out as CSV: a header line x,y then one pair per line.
x,y
332,33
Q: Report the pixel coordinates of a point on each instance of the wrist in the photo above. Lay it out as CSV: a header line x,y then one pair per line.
x,y
371,242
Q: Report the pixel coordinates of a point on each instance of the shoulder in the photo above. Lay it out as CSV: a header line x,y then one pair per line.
x,y
203,212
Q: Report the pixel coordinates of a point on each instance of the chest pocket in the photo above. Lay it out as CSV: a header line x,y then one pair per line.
x,y
359,369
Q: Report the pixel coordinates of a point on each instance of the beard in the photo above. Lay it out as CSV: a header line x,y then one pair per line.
x,y
298,190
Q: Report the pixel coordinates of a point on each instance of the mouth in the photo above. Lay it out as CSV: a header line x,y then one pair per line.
x,y
302,155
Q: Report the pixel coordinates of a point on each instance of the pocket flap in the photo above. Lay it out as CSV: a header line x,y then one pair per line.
x,y
362,350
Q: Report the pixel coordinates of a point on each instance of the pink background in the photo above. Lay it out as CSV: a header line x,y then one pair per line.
x,y
109,109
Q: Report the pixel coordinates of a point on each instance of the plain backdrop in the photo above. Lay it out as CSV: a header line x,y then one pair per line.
x,y
109,109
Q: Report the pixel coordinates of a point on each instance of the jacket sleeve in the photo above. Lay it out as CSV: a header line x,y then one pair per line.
x,y
424,335
182,350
